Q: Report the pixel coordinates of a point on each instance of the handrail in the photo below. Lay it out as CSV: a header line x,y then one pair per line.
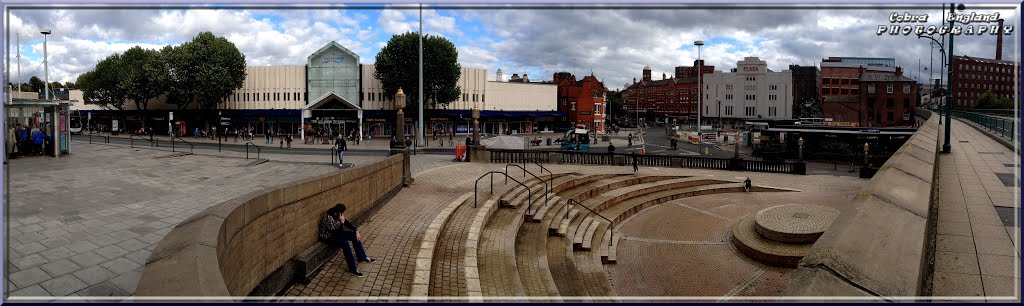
x,y
535,161
491,174
547,194
610,222
191,149
131,141
247,150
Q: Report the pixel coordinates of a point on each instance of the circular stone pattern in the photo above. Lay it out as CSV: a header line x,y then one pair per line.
x,y
794,223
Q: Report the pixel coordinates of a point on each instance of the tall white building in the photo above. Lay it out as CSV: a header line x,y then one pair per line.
x,y
750,91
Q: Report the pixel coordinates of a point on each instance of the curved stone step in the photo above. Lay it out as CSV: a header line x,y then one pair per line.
x,y
563,226
590,267
474,286
588,238
496,253
580,230
532,261
425,255
750,243
538,215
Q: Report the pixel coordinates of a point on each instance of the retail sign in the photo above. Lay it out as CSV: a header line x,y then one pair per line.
x,y
875,131
708,137
750,68
333,58
585,113
170,116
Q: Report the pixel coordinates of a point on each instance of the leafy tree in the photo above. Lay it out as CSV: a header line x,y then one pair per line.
x,y
615,103
145,79
397,66
205,70
102,85
36,84
991,101
25,87
70,85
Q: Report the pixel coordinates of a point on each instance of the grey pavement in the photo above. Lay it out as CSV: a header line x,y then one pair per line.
x,y
85,224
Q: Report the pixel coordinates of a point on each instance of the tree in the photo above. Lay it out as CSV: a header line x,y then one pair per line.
x,y
145,79
615,104
397,66
102,85
205,70
36,84
991,101
70,85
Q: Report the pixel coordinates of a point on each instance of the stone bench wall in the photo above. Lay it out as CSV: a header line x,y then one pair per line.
x,y
230,248
879,244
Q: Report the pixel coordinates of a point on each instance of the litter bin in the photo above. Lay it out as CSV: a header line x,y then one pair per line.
x,y
549,141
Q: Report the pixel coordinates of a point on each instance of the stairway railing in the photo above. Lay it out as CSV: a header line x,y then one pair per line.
x,y
568,203
547,185
491,174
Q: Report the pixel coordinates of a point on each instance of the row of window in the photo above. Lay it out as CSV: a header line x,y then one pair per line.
x,y
984,86
987,77
839,81
267,96
889,88
1003,68
466,97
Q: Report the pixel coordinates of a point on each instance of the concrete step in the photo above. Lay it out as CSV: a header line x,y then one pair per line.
x,y
538,215
563,226
427,246
750,243
588,238
578,228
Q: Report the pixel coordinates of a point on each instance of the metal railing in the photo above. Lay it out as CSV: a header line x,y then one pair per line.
x,y
537,161
1003,126
247,144
491,174
191,147
547,193
107,137
131,141
568,204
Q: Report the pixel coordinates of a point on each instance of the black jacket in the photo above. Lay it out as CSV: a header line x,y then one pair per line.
x,y
340,142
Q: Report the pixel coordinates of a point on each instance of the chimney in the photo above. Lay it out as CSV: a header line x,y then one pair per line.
x,y
999,42
899,71
663,76
525,78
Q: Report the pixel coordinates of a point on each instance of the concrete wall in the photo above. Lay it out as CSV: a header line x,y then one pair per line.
x,y
879,244
512,96
228,249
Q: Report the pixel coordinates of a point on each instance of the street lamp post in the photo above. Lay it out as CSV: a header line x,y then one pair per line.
x,y
700,93
720,125
946,148
46,66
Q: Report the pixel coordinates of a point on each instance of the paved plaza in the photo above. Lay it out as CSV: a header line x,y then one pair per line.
x,y
978,245
392,235
84,224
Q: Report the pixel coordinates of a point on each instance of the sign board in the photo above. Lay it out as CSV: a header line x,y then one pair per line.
x,y
114,125
305,114
708,137
869,131
64,142
263,119
63,123
170,116
225,123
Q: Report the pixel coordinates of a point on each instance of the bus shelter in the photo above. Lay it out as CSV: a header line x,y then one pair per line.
x,y
49,116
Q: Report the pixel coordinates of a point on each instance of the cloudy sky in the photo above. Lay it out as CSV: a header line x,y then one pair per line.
x,y
614,43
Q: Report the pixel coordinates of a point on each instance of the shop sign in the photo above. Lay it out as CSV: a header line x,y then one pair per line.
x,y
438,119
585,113
376,120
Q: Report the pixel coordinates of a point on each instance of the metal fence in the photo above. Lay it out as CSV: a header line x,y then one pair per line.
x,y
1005,126
694,162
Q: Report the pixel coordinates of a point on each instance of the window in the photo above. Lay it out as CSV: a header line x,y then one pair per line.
x,y
750,87
749,111
888,88
296,96
773,87
728,96
482,98
573,106
362,96
854,91
906,89
871,89
728,86
728,110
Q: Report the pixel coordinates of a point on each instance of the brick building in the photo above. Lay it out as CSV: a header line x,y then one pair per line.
x,y
674,97
582,100
973,76
883,99
841,88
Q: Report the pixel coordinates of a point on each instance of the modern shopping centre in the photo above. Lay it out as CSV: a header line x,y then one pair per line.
x,y
333,90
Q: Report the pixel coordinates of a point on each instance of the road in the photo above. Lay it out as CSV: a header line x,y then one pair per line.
x,y
659,143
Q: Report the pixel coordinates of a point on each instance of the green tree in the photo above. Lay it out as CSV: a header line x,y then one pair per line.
x,y
397,66
145,80
36,84
205,70
615,104
102,84
70,85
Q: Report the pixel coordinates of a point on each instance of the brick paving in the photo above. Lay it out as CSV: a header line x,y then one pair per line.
x,y
84,224
681,247
977,251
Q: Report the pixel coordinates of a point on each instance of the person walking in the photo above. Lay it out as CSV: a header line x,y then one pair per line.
x,y
339,144
746,185
288,139
336,229
630,143
9,141
636,161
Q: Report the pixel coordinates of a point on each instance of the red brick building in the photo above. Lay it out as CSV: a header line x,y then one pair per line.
x,y
973,76
674,97
882,99
583,100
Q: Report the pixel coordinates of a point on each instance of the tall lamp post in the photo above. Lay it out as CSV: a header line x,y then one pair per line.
x,y
400,139
46,66
700,93
946,148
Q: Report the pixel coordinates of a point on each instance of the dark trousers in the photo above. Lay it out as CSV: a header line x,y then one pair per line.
x,y
635,168
343,238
